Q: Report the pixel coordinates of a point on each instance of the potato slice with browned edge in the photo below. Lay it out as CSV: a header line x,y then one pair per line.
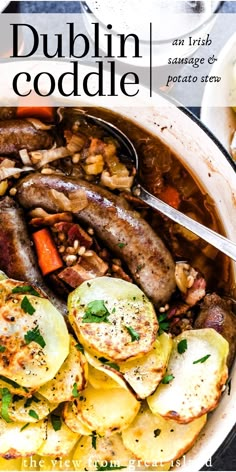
x,y
143,375
20,439
113,318
196,374
105,412
59,441
92,452
72,420
73,372
15,388
152,438
30,410
99,378
33,335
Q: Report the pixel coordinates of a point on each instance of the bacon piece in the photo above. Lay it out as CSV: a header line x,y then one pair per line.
x,y
88,268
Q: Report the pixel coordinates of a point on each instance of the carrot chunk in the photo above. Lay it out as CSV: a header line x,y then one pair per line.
x,y
49,259
171,196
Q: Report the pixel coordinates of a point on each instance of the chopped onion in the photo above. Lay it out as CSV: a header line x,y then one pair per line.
x,y
39,124
7,163
77,201
116,182
24,155
5,173
42,157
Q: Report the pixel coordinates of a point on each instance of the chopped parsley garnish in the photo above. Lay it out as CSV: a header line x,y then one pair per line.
x,y
94,439
134,335
33,414
167,379
203,359
30,400
25,289
182,346
24,427
121,245
56,422
75,392
34,335
157,432
6,401
2,348
27,306
96,312
164,323
109,363
12,383
109,466
79,347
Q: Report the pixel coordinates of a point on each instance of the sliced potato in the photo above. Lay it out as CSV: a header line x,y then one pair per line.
x,y
116,379
108,449
16,440
21,409
106,413
36,344
100,379
126,308
10,464
155,439
145,374
73,371
197,376
15,388
72,420
58,443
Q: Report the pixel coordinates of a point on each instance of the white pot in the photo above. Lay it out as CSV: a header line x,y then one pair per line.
x,y
206,159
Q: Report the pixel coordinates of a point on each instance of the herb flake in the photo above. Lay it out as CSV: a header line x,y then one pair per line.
x,y
33,414
96,312
24,427
56,422
134,335
6,401
121,245
75,392
109,363
34,335
2,348
167,379
202,360
164,323
182,346
25,289
79,348
27,307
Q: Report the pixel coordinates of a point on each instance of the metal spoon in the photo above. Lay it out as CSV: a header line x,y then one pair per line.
x,y
220,242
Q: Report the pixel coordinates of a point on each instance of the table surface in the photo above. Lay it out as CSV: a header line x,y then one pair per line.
x,y
225,459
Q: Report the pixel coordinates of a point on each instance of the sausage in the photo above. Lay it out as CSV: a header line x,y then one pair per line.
x,y
123,230
21,134
216,313
17,258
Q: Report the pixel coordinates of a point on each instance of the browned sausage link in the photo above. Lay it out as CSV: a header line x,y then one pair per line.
x,y
21,134
17,258
216,313
122,229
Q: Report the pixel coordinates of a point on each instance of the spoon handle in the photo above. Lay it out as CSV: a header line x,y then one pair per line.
x,y
220,242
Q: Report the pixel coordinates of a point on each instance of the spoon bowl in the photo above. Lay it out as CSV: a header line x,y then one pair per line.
x,y
220,242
